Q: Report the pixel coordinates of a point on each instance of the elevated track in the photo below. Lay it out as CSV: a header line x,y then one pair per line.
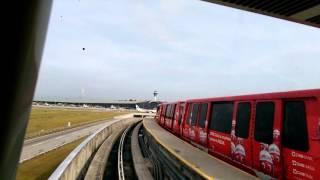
x,y
138,148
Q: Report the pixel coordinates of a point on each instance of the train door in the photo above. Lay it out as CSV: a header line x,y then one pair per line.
x,y
163,114
266,144
168,118
166,115
201,129
157,117
241,142
177,118
182,112
219,138
193,123
172,116
301,139
186,121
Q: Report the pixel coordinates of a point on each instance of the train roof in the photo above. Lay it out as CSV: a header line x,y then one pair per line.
x,y
264,96
173,102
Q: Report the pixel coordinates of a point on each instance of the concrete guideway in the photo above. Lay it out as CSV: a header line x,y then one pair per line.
x,y
99,161
74,166
139,162
59,133
207,166
90,158
39,145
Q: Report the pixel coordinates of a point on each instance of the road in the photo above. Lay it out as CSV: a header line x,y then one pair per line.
x,y
43,144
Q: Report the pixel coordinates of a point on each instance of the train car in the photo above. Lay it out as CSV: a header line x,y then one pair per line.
x,y
172,121
272,135
170,117
166,114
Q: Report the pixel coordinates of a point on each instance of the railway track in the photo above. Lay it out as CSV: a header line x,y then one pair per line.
x,y
121,174
126,151
123,161
135,156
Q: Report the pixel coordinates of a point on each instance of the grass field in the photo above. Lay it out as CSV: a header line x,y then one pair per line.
x,y
42,167
46,120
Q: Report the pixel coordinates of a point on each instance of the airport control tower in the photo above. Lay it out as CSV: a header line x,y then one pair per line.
x,y
155,95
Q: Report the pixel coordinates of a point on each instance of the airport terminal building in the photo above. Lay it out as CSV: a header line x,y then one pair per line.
x,y
126,104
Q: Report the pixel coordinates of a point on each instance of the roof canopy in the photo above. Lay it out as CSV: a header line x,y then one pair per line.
x,y
300,11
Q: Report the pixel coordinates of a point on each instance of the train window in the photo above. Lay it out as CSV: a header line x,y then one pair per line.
x,y
168,110
243,120
263,131
189,114
295,133
181,112
173,111
203,114
163,110
221,117
195,110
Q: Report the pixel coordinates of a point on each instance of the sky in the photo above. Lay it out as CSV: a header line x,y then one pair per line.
x,y
116,49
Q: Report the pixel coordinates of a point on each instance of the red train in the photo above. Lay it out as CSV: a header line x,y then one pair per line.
x,y
272,135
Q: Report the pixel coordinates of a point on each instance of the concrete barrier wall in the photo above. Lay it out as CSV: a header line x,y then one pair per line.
x,y
72,167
